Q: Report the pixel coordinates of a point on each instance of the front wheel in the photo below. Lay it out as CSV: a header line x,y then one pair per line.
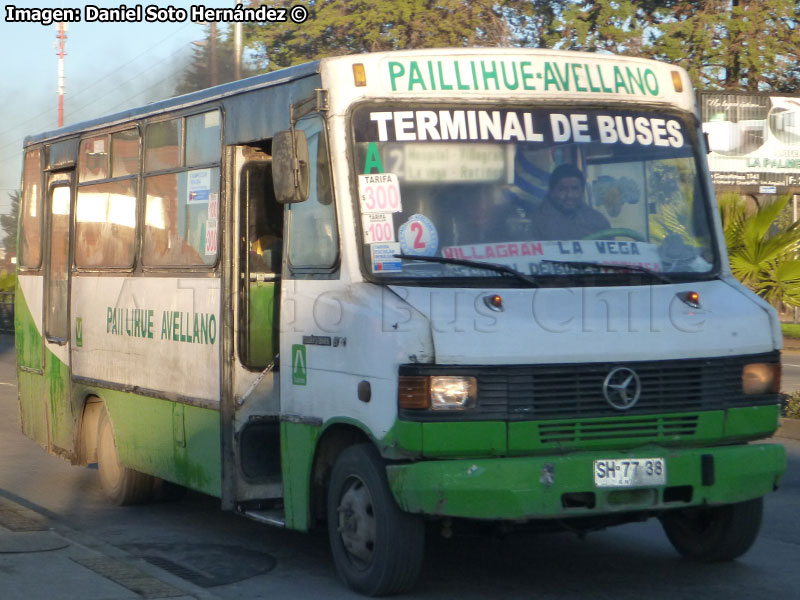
x,y
121,485
377,548
716,533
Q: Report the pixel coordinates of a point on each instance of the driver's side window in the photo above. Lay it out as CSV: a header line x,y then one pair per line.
x,y
313,234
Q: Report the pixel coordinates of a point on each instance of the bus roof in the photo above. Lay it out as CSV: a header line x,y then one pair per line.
x,y
202,96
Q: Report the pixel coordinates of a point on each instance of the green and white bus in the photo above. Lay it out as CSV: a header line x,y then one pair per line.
x,y
378,291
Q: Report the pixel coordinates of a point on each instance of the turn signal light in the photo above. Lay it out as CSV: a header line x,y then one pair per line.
x,y
413,392
495,302
690,298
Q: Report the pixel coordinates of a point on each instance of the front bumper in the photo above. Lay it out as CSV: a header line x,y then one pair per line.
x,y
561,486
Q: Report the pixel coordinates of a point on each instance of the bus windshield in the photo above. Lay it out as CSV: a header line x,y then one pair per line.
x,y
546,191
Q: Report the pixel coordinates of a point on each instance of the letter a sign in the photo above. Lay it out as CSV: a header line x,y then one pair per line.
x,y
299,369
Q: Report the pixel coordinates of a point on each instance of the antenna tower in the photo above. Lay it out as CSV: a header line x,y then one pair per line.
x,y
61,37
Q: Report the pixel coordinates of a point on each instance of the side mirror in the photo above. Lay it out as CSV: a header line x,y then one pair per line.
x,y
290,166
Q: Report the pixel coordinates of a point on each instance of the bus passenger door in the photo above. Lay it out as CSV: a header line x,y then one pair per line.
x,y
56,313
256,475
261,226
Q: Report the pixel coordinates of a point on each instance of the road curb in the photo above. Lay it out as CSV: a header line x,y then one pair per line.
x,y
32,542
789,428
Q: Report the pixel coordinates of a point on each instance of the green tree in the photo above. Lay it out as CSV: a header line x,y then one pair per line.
x,y
336,27
763,249
599,25
724,44
729,44
213,62
8,222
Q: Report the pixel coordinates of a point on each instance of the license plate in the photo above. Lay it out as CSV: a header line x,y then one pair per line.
x,y
630,472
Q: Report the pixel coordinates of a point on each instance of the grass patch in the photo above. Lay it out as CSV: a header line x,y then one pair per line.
x,y
8,282
791,405
791,330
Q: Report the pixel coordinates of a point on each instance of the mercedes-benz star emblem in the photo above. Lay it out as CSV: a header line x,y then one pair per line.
x,y
622,388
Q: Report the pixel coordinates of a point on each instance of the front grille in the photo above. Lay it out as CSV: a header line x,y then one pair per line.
x,y
651,428
575,391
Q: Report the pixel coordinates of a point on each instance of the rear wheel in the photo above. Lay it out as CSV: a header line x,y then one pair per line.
x,y
377,548
716,533
121,485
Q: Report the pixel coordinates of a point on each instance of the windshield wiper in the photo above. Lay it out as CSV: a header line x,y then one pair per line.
x,y
634,268
504,269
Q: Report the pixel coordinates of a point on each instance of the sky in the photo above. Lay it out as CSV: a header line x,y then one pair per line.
x,y
108,67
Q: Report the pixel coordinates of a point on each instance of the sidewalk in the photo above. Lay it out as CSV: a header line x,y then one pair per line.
x,y
789,428
791,344
40,561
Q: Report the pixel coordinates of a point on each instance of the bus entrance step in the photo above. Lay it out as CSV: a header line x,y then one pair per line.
x,y
270,517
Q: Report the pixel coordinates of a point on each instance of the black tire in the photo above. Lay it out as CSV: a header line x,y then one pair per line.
x,y
714,534
377,548
121,485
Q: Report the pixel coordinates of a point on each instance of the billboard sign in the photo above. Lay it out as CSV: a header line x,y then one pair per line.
x,y
754,139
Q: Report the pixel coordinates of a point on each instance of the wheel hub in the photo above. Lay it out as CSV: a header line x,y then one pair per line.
x,y
357,522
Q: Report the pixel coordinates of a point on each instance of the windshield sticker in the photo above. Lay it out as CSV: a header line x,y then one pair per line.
x,y
384,259
211,237
441,163
418,236
611,193
199,186
518,126
373,159
379,193
533,257
377,227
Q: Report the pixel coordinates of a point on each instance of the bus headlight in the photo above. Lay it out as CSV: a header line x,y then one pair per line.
x,y
453,393
436,392
761,378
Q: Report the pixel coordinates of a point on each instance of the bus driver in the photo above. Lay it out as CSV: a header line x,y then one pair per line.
x,y
564,215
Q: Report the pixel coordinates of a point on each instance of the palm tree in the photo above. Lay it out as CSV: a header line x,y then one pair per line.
x,y
763,248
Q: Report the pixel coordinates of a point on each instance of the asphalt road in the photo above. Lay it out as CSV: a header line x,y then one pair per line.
x,y
233,558
790,377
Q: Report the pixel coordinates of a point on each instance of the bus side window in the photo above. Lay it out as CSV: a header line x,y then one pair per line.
x,y
177,221
313,236
30,247
105,224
